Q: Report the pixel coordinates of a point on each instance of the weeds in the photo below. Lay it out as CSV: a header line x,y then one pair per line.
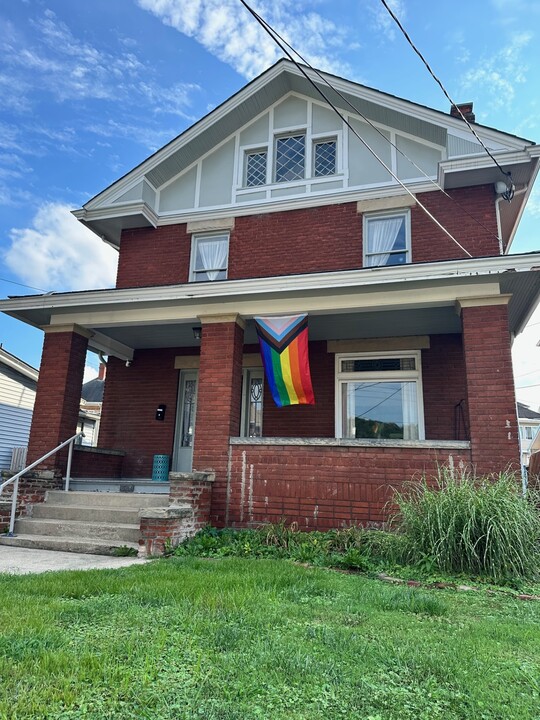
x,y
476,526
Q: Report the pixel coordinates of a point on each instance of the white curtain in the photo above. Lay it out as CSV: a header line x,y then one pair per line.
x,y
382,236
409,406
213,255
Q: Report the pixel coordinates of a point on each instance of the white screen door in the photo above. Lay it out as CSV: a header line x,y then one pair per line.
x,y
185,421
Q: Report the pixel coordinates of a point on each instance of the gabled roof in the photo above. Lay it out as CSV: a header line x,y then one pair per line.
x,y
130,201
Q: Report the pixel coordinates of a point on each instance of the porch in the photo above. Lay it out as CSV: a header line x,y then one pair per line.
x,y
184,379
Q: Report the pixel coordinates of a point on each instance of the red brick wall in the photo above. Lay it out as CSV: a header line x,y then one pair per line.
x,y
218,400
490,384
297,241
429,243
320,487
58,396
310,240
131,397
444,385
88,462
151,256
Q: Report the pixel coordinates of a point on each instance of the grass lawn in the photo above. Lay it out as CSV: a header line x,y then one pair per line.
x,y
236,639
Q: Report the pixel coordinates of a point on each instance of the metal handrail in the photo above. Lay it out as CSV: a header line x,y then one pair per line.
x,y
14,479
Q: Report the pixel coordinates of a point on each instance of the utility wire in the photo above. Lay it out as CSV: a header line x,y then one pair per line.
x,y
31,287
273,35
507,175
377,130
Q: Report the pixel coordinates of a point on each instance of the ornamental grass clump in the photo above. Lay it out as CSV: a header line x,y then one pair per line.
x,y
478,526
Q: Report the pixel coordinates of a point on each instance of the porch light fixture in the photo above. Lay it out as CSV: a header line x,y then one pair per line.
x,y
505,189
197,332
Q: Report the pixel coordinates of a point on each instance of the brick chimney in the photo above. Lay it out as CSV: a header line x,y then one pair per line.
x,y
466,109
102,370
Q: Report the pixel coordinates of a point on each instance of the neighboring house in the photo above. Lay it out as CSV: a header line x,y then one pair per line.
x,y
90,410
529,424
271,205
18,383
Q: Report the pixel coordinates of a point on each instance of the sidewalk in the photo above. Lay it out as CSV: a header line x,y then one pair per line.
x,y
22,561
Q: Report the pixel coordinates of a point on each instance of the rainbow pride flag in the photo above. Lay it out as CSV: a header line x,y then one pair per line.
x,y
284,350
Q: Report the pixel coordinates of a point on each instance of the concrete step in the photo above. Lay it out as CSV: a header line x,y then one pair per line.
x,y
92,546
111,500
48,511
115,485
117,532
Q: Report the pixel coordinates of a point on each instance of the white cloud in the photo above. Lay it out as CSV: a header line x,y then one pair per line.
x,y
59,253
57,62
384,22
497,76
533,204
526,357
229,32
89,373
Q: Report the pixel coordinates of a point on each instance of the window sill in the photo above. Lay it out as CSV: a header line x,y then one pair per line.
x,y
241,189
346,442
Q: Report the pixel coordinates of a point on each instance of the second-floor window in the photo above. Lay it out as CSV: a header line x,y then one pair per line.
x,y
209,257
387,239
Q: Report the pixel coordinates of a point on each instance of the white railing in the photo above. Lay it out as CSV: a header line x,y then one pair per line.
x,y
14,480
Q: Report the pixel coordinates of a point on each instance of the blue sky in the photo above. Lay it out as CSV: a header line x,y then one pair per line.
x,y
88,90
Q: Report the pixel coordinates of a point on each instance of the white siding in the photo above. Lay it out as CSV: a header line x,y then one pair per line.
x,y
14,431
15,389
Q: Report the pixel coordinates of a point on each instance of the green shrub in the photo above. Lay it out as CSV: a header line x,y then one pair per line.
x,y
478,526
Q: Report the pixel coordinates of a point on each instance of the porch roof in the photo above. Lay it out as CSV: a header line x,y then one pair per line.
x,y
392,301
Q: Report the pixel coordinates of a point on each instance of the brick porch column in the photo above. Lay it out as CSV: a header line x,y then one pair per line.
x,y
219,399
58,396
490,384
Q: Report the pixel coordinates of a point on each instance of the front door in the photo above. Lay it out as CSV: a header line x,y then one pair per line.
x,y
185,421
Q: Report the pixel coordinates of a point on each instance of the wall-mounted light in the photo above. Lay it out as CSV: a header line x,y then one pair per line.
x,y
197,332
505,189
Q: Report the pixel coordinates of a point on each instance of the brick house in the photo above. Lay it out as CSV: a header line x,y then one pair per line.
x,y
272,205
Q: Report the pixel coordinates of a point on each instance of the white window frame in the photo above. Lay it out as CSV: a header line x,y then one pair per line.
x,y
386,375
368,217
283,136
247,374
194,242
317,140
259,149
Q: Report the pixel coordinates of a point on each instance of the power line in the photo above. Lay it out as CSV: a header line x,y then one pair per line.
x,y
31,287
508,176
532,372
274,37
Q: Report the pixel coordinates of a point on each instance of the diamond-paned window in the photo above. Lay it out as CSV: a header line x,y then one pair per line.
x,y
324,158
290,158
256,168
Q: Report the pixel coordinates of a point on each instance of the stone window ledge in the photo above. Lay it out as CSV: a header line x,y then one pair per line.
x,y
345,442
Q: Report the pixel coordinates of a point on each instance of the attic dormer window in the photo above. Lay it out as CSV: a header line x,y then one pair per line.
x,y
255,172
324,157
290,157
